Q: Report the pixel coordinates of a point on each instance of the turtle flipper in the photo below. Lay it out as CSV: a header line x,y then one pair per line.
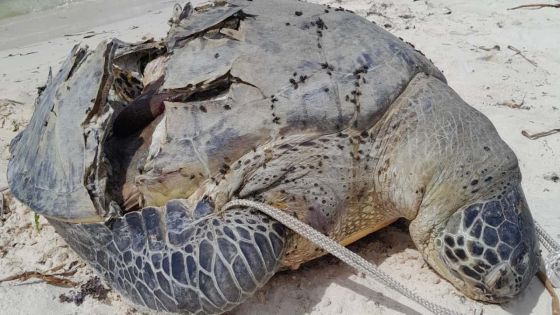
x,y
44,171
164,259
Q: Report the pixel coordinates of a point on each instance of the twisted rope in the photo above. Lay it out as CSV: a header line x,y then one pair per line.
x,y
340,252
552,261
546,240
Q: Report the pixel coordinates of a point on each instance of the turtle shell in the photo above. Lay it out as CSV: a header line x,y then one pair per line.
x,y
259,71
239,74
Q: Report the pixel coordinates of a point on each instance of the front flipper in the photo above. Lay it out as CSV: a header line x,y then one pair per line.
x,y
163,259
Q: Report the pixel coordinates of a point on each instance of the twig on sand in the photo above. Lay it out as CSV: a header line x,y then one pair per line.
x,y
548,285
5,197
1,207
518,52
78,34
21,54
93,34
4,101
87,34
495,47
536,6
52,279
514,104
539,134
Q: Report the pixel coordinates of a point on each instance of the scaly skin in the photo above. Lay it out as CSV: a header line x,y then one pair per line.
x,y
166,260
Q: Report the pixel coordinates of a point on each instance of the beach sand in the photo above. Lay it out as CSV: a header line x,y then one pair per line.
x,y
503,62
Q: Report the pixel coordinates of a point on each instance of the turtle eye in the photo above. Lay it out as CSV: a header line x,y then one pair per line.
x,y
491,246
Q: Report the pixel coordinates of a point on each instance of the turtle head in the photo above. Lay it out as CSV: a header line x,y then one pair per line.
x,y
488,249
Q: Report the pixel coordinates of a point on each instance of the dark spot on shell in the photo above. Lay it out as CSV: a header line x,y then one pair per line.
x,y
294,83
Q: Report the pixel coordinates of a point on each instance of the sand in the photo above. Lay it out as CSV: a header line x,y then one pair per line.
x,y
475,43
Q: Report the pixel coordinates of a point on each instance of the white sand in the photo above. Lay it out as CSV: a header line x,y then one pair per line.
x,y
454,34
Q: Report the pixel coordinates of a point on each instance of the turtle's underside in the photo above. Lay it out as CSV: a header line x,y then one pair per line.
x,y
133,149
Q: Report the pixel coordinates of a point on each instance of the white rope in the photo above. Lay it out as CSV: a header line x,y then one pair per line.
x,y
546,240
552,261
340,252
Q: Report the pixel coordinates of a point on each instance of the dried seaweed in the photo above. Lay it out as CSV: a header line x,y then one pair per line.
x,y
93,287
52,279
536,6
518,52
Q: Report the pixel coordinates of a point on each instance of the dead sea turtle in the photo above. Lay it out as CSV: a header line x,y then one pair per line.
x,y
133,149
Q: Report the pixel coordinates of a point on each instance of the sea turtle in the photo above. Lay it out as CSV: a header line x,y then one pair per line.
x,y
133,150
